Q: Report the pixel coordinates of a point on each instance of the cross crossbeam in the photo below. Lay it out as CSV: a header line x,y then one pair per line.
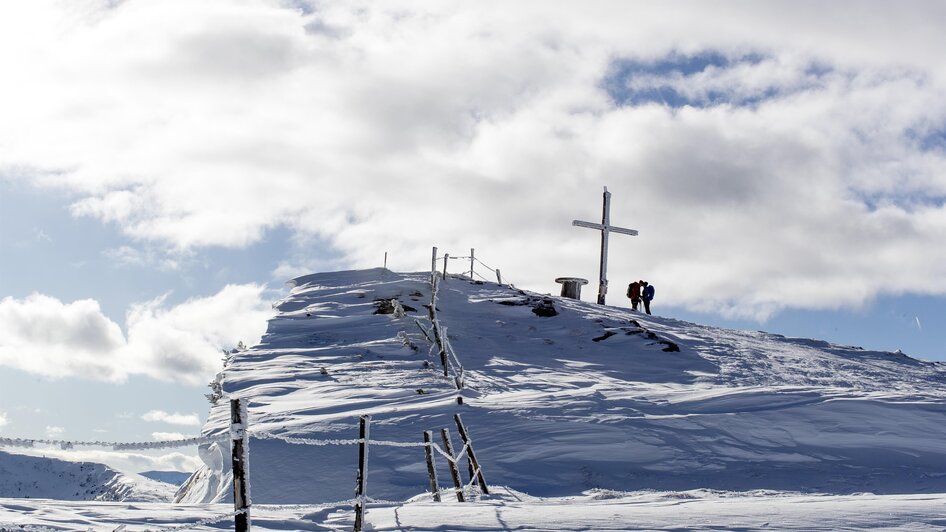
x,y
606,228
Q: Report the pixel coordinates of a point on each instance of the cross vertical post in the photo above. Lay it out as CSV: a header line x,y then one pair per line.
x,y
606,228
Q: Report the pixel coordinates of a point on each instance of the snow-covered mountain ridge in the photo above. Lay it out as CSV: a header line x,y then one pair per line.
x,y
23,476
591,397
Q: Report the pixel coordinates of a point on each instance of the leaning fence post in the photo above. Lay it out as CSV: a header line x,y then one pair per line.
x,y
499,278
454,472
446,258
239,443
481,480
431,470
362,478
471,263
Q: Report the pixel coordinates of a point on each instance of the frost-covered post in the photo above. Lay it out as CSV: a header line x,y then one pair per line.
x,y
239,446
471,263
499,277
452,461
465,436
362,479
385,260
431,470
435,324
433,265
446,258
605,227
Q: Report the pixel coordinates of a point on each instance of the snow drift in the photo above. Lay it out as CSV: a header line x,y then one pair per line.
x,y
563,396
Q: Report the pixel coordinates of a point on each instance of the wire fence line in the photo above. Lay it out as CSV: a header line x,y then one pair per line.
x,y
116,446
471,271
239,435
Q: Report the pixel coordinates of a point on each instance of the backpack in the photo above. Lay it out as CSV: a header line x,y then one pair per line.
x,y
649,292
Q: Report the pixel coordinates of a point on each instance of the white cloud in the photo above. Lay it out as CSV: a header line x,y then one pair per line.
x,y
45,336
174,419
394,126
42,335
3,419
54,432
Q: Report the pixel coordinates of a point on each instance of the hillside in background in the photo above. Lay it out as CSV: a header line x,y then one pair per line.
x,y
563,396
33,477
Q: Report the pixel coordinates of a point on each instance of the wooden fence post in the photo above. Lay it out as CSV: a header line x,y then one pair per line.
x,y
362,478
454,472
499,278
433,265
239,442
481,480
446,258
471,263
431,470
385,260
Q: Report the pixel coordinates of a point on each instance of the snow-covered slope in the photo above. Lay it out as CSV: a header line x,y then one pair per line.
x,y
34,477
592,397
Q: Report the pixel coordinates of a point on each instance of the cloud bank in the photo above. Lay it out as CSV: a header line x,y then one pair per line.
x,y
174,419
777,155
45,336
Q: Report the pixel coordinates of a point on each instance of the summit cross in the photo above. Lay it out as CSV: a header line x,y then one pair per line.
x,y
605,227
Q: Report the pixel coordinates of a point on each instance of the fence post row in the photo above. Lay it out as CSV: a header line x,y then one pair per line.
x,y
468,442
239,443
362,478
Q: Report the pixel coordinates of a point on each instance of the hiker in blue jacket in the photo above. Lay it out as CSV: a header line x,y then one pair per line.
x,y
648,296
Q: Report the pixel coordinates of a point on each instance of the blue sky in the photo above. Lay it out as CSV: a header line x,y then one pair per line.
x,y
166,166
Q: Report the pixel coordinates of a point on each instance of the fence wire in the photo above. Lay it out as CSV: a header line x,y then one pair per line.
x,y
116,446
320,442
453,459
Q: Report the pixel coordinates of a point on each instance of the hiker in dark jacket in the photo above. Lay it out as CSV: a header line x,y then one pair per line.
x,y
634,292
648,296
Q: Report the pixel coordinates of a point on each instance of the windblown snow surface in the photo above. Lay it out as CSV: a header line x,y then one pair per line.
x,y
594,418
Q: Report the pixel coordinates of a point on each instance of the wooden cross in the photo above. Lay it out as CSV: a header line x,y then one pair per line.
x,y
605,227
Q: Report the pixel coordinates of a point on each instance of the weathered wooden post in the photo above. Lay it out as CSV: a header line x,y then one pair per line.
x,y
438,334
385,260
471,262
454,472
362,479
499,277
433,265
239,443
431,470
446,258
465,436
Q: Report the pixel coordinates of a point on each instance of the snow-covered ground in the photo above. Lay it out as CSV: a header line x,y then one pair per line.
x,y
592,418
671,511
